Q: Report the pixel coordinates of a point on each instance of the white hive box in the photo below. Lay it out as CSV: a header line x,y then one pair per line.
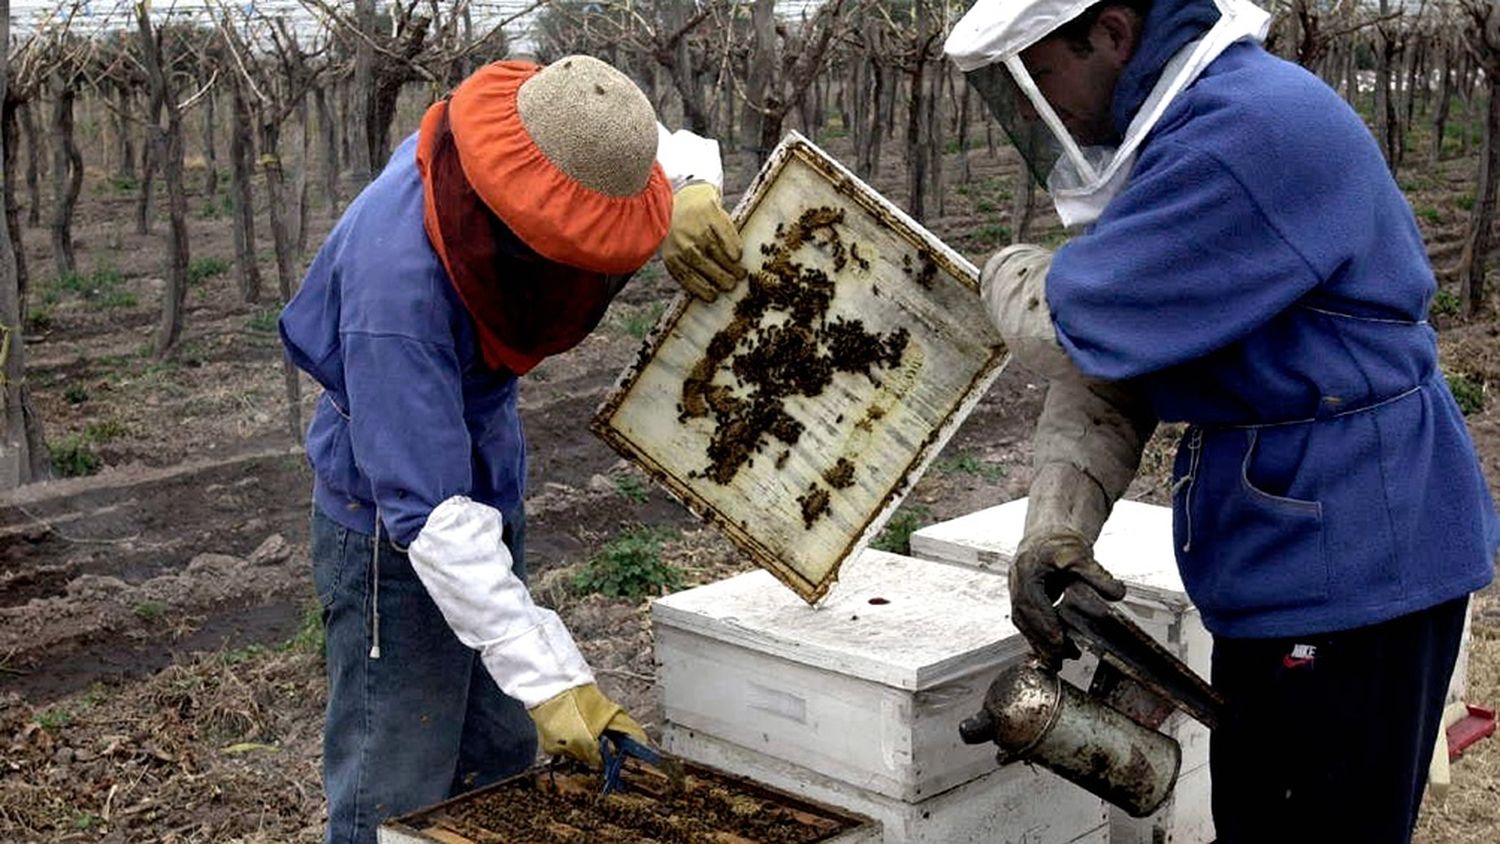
x,y
1017,804
862,693
867,687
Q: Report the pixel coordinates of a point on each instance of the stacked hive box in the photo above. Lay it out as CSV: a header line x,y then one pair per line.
x,y
856,702
1136,546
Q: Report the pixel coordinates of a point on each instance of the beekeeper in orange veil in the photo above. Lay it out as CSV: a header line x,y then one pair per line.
x,y
495,237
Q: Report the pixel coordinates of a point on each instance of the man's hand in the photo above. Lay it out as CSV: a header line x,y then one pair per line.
x,y
703,248
1045,566
572,722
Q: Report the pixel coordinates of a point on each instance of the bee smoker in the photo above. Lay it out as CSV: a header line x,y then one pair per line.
x,y
1104,740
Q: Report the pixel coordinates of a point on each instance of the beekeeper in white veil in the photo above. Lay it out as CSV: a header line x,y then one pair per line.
x,y
1243,262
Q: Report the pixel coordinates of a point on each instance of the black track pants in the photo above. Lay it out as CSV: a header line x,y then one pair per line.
x,y
1328,737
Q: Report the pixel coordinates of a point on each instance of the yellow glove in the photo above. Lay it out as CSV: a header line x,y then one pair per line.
x,y
572,722
703,248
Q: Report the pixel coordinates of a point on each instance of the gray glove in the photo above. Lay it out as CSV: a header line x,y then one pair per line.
x,y
1045,565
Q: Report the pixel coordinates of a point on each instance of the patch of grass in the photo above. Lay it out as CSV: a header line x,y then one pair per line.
x,y
264,321
968,464
1468,392
101,289
1445,304
952,145
310,637
630,566
1431,215
73,456
220,206
86,821
1465,202
123,184
54,718
149,611
104,431
114,299
236,656
39,318
203,269
632,488
76,394
896,538
993,234
985,206
638,323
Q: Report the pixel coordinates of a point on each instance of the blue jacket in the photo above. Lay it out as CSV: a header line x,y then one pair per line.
x,y
1262,278
410,415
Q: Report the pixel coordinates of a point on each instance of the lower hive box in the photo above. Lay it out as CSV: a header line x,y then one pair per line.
x,y
697,805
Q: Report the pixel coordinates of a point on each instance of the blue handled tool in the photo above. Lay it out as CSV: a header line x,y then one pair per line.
x,y
614,747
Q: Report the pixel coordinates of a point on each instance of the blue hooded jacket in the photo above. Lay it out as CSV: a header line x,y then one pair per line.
x,y
410,415
1263,279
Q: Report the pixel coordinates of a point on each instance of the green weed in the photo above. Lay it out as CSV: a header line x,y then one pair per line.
x,y
1431,215
1468,392
1465,202
220,206
310,636
264,321
101,289
39,318
896,537
86,821
993,234
123,184
54,718
1445,304
149,611
103,432
632,488
203,269
630,566
76,394
968,464
73,456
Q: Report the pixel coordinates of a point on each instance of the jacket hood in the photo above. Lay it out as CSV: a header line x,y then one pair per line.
x,y
1169,26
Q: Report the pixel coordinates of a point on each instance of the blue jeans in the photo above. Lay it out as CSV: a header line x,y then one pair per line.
x,y
425,721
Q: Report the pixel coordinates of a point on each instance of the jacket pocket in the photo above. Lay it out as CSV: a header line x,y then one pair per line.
x,y
1251,550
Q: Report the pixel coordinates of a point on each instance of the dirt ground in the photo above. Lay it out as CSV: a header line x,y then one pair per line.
x,y
159,674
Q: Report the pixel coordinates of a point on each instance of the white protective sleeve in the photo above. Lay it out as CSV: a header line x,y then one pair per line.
x,y
1091,433
461,559
688,158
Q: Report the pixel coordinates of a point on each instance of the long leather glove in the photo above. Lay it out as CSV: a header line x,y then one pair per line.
x,y
1088,445
703,248
462,560
572,722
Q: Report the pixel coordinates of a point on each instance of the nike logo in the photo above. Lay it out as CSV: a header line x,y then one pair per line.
x,y
1301,655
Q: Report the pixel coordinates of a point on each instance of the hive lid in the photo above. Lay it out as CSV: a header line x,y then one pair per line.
x,y
1135,545
797,425
902,622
